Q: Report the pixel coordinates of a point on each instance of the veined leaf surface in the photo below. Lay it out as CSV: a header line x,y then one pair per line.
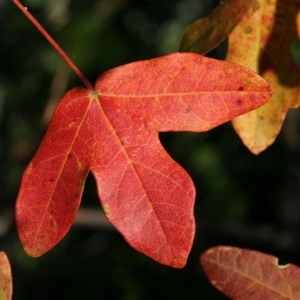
x,y
112,131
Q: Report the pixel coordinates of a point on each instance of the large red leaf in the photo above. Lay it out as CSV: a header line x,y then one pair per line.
x,y
243,274
5,278
113,131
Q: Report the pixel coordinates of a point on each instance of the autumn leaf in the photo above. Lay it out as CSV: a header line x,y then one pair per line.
x,y
243,274
5,278
113,131
261,42
259,36
207,33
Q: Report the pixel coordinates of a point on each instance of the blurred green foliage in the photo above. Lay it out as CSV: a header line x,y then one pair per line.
x,y
242,200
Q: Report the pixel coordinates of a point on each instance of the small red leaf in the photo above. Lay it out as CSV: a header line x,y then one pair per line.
x,y
5,278
113,131
242,274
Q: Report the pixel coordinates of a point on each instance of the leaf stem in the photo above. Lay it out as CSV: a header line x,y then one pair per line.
x,y
60,51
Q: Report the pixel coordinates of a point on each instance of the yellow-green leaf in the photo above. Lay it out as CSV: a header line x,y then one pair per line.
x,y
207,33
261,42
5,278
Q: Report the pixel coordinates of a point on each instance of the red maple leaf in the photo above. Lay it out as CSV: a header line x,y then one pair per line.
x,y
112,131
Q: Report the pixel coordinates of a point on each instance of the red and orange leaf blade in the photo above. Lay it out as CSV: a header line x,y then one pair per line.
x,y
53,182
113,131
243,274
207,33
5,277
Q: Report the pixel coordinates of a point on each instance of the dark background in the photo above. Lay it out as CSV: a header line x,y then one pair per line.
x,y
242,199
